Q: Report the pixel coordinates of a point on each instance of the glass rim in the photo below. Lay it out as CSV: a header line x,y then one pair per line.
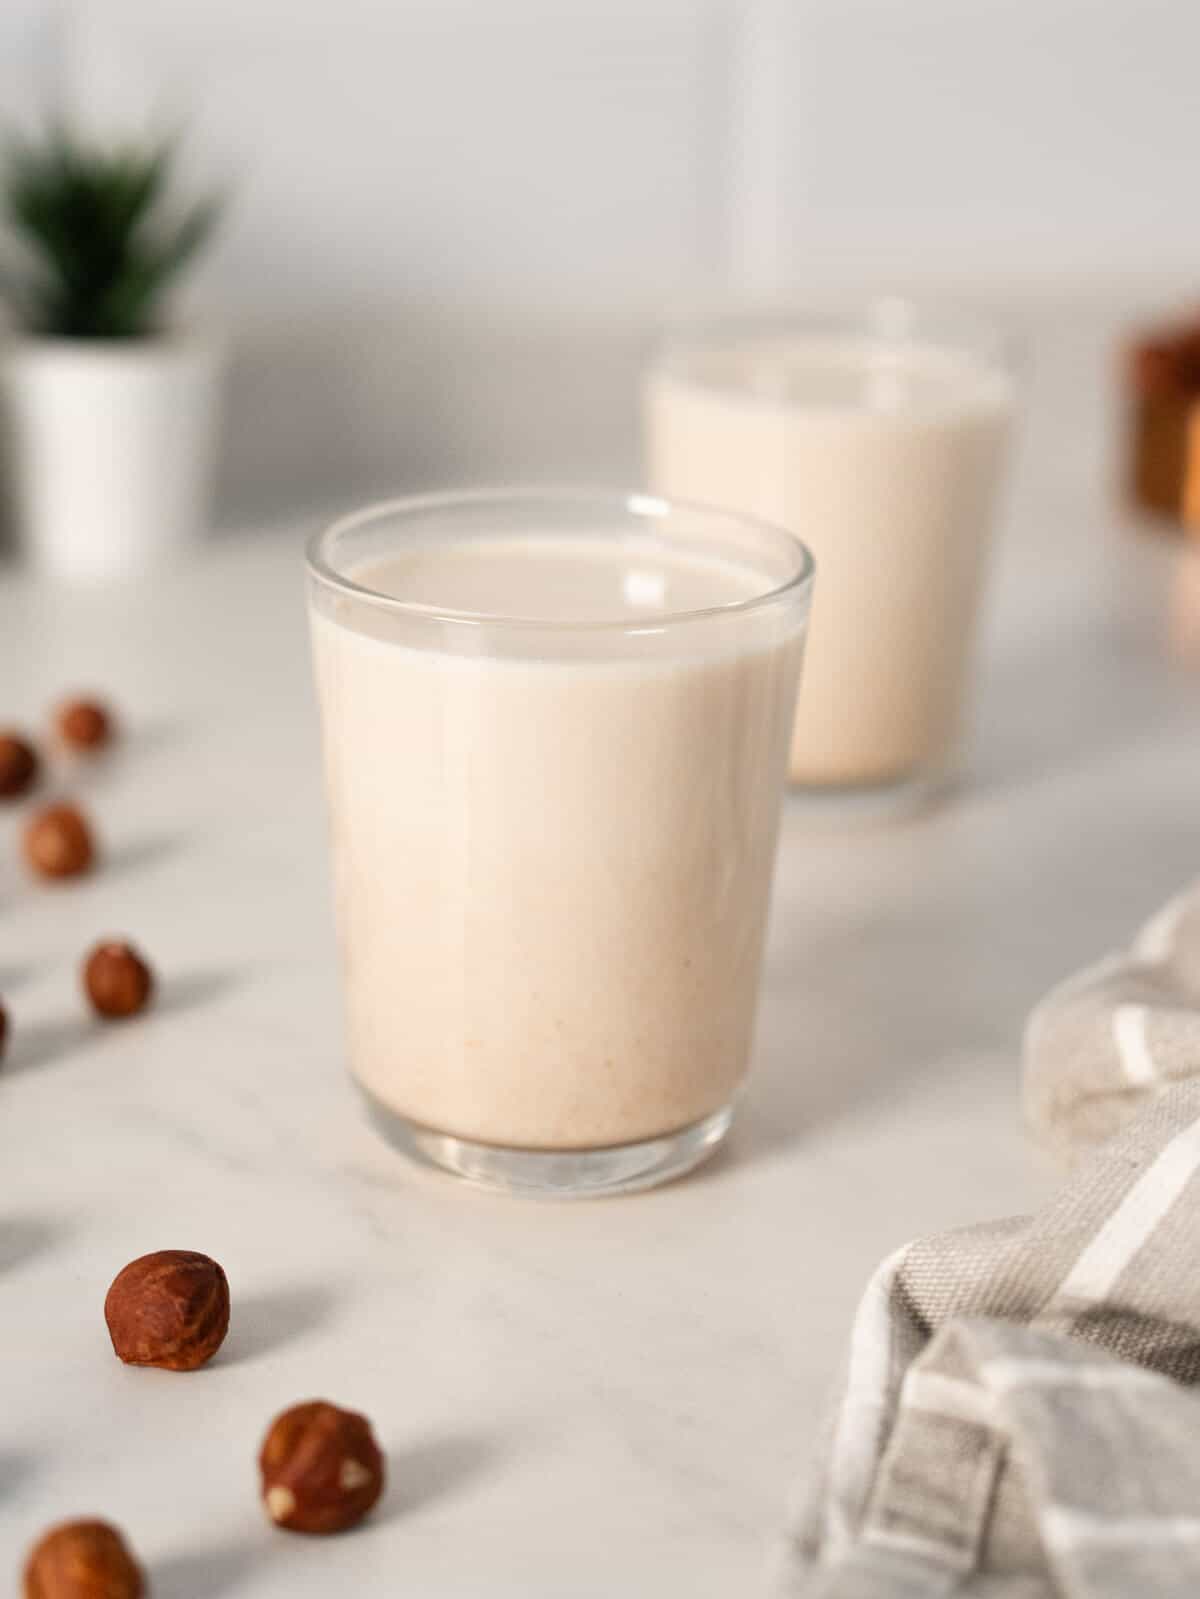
x,y
643,506
896,317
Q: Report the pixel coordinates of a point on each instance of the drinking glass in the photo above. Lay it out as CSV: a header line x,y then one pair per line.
x,y
876,433
555,728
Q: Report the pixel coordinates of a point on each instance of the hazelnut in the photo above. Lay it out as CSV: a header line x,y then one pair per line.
x,y
18,766
82,1560
3,1030
321,1468
169,1309
117,980
84,724
58,842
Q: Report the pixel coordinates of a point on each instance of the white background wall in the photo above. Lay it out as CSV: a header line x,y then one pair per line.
x,y
456,221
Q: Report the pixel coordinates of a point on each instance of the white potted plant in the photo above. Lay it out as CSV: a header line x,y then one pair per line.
x,y
108,409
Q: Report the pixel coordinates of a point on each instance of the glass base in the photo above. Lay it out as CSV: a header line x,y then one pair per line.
x,y
555,1173
869,802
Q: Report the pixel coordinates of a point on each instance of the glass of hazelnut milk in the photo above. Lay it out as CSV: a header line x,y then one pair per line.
x,y
555,729
877,434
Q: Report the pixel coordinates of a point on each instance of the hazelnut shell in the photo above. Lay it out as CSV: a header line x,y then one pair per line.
x,y
322,1470
117,980
19,766
82,1560
84,724
58,842
169,1309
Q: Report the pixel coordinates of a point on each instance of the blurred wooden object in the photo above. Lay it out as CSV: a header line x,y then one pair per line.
x,y
1164,461
1191,472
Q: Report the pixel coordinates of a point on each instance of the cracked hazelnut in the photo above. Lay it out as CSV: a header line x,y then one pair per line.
x,y
58,842
322,1470
117,980
169,1309
84,724
18,766
82,1560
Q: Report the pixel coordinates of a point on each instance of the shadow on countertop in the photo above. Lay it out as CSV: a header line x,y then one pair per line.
x,y
273,1317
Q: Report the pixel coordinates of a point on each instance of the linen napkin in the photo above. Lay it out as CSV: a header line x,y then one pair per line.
x,y
1015,1420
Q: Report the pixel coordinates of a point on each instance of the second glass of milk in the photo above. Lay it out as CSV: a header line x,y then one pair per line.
x,y
555,729
878,436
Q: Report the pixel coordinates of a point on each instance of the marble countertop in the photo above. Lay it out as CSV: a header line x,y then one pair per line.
x,y
577,1401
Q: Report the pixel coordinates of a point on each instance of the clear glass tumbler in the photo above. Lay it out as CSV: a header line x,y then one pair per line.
x,y
876,433
555,730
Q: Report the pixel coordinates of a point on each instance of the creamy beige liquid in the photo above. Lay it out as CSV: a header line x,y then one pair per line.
x,y
884,459
553,859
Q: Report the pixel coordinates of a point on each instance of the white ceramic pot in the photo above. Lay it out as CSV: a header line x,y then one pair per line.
x,y
109,448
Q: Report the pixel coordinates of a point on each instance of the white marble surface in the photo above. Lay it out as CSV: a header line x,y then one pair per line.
x,y
578,1402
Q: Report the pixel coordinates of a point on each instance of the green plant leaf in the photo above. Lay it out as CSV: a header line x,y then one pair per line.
x,y
98,248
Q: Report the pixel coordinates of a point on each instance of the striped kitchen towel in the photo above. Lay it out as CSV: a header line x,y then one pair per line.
x,y
1016,1420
